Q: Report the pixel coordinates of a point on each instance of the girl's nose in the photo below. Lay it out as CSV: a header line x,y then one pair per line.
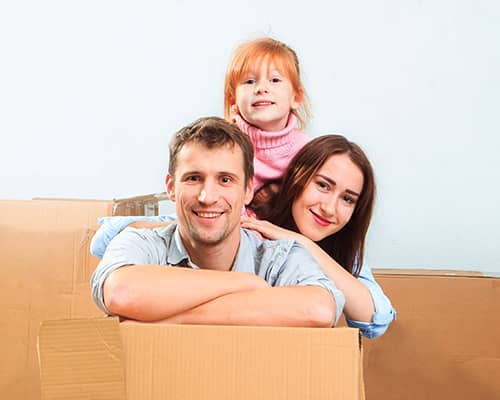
x,y
261,86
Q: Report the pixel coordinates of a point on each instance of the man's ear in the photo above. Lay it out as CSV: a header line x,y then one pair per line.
x,y
169,181
249,192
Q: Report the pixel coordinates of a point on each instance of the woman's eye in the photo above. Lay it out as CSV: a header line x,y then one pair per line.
x,y
322,185
349,199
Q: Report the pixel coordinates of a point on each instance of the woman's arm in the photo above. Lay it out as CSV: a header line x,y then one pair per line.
x,y
112,226
359,305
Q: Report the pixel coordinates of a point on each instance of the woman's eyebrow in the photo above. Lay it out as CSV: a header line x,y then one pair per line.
x,y
332,182
328,179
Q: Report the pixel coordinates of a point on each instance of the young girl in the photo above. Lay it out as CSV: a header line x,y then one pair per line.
x,y
264,96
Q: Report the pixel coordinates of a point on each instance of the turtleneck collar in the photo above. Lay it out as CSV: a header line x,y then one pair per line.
x,y
267,139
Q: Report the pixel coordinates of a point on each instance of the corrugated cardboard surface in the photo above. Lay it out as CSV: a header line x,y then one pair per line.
x,y
445,343
81,359
45,274
199,362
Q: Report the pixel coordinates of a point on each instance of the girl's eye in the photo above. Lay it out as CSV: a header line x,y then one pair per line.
x,y
249,81
275,80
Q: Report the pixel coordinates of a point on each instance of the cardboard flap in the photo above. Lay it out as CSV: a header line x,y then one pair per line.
x,y
81,359
228,362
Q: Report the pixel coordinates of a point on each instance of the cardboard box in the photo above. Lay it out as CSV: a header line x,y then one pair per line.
x,y
445,343
45,274
99,358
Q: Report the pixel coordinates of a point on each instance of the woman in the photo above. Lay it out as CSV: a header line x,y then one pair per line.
x,y
325,202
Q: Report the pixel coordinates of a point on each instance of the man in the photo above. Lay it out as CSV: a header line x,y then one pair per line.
x,y
206,269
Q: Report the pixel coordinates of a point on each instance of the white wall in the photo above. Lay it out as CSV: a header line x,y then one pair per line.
x,y
91,90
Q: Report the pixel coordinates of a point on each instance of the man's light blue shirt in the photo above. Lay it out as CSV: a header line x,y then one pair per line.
x,y
384,311
278,262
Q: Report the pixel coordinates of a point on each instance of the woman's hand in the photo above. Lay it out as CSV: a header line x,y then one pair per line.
x,y
267,229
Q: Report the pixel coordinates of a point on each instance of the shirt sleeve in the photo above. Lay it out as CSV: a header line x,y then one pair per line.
x,y
131,246
384,311
112,226
297,267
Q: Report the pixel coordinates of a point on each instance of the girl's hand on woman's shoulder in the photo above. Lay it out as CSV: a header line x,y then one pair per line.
x,y
267,229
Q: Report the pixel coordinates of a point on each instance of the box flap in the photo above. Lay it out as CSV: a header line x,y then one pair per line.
x,y
81,359
228,362
434,272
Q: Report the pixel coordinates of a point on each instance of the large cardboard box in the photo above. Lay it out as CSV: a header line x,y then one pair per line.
x,y
45,273
445,343
101,359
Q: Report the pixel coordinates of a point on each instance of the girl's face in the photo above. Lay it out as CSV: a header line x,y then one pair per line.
x,y
329,199
265,97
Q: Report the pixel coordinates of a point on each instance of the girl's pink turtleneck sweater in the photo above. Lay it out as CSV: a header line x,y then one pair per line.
x,y
273,150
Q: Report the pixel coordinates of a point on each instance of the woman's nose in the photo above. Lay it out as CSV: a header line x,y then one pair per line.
x,y
329,206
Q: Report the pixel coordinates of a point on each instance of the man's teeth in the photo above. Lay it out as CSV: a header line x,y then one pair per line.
x,y
208,214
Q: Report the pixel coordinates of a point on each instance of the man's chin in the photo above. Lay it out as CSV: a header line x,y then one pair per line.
x,y
208,239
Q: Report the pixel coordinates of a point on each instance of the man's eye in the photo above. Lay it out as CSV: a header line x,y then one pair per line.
x,y
193,178
226,179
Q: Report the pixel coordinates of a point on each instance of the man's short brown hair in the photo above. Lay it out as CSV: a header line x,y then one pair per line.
x,y
212,132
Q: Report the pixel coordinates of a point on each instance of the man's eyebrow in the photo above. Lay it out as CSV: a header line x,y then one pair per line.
x,y
201,173
332,182
233,175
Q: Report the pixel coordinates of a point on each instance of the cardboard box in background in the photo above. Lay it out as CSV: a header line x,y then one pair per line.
x,y
45,273
98,358
445,343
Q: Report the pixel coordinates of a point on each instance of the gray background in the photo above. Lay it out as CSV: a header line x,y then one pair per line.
x,y
90,92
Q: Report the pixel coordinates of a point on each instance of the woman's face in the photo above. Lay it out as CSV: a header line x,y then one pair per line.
x,y
329,199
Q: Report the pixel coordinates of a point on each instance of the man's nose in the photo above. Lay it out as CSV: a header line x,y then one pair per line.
x,y
208,193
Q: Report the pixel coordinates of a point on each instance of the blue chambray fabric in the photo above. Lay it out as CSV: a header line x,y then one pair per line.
x,y
279,262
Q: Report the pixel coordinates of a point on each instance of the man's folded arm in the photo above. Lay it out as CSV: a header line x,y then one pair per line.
x,y
155,292
306,306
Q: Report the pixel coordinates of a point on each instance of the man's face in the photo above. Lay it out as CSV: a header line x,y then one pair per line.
x,y
209,191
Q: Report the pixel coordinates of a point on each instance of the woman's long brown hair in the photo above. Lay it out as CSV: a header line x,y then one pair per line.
x,y
346,246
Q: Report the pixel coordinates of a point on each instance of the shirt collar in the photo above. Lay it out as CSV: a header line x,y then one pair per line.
x,y
176,252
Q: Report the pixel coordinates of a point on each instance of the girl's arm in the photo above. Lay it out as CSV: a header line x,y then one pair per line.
x,y
359,305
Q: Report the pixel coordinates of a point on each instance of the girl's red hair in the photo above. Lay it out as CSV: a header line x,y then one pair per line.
x,y
254,52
